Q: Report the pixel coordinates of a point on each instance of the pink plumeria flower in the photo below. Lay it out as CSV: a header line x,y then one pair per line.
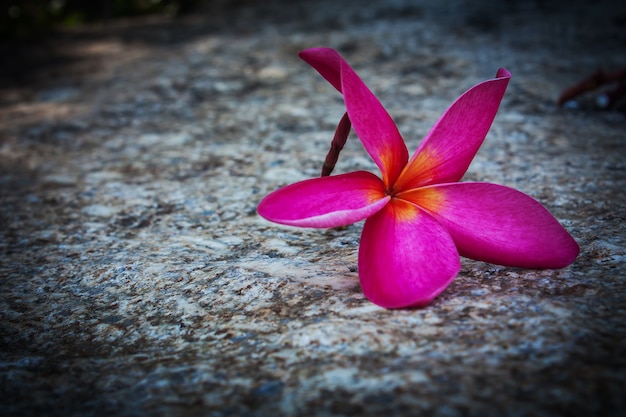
x,y
419,217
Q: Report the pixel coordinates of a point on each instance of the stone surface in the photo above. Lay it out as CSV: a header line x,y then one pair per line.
x,y
136,278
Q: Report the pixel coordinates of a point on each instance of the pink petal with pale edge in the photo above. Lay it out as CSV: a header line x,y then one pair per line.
x,y
324,202
497,224
370,120
448,149
406,258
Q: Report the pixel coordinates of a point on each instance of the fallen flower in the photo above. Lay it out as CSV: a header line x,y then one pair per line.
x,y
419,217
607,99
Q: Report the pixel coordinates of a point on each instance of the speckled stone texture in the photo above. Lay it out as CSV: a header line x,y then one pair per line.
x,y
137,280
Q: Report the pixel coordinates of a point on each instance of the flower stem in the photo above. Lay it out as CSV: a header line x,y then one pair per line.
x,y
340,138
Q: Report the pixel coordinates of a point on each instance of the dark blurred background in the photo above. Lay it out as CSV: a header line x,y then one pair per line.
x,y
26,19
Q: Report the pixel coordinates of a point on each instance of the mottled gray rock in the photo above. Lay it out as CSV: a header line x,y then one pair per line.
x,y
137,279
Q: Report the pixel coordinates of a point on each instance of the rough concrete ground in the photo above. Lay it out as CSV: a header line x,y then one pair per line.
x,y
136,278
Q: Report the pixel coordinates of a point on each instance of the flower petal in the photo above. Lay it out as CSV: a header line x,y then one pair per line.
x,y
447,151
373,126
497,224
370,120
326,61
406,258
332,201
